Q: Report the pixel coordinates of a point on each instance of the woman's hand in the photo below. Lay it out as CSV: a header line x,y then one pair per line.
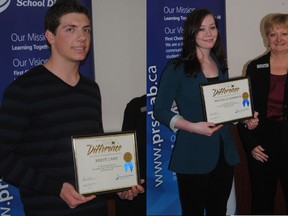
x,y
253,122
205,128
258,154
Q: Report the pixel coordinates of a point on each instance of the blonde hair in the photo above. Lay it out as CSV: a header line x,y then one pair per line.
x,y
275,20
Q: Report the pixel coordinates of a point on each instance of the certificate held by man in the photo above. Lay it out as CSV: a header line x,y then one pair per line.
x,y
105,163
227,101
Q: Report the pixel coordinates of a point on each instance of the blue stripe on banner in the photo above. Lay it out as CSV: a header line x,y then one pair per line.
x,y
23,46
10,202
165,21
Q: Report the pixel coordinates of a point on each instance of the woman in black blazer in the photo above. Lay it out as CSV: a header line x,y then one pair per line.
x,y
267,144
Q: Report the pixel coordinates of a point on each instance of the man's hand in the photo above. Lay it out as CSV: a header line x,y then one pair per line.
x,y
130,194
71,197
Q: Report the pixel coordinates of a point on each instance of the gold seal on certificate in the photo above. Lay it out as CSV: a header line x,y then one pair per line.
x,y
105,163
227,101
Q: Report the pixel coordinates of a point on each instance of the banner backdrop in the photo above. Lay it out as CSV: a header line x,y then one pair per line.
x,y
23,46
165,21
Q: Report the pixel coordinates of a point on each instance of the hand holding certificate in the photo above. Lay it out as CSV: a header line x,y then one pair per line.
x,y
227,101
105,163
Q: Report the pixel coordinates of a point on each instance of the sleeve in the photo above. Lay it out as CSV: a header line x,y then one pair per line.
x,y
246,135
130,116
166,95
173,122
14,118
101,128
15,114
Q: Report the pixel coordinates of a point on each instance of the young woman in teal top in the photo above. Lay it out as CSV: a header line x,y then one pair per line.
x,y
204,154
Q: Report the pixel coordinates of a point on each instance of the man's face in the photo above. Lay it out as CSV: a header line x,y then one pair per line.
x,y
72,39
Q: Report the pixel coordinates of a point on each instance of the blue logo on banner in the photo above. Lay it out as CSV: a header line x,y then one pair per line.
x,y
4,5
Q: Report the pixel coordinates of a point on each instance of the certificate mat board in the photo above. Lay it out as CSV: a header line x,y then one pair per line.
x,y
227,101
105,163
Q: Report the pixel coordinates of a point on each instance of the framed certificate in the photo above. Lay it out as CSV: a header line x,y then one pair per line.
x,y
105,163
227,101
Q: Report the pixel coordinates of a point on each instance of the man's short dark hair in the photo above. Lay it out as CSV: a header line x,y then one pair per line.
x,y
61,8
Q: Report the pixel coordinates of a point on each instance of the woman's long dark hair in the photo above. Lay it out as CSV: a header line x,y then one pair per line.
x,y
188,55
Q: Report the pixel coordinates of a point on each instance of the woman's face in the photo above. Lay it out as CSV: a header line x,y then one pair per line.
x,y
278,38
207,34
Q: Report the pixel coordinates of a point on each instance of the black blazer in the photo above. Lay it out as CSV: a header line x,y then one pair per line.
x,y
259,72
